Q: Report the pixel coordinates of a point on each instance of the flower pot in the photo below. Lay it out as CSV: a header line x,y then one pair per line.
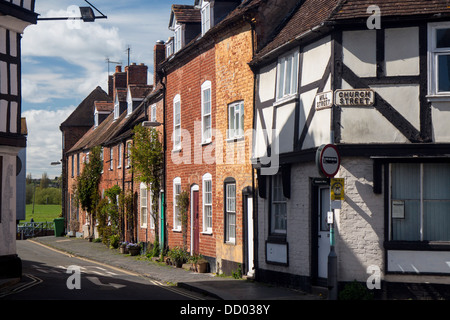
x,y
134,251
202,267
124,250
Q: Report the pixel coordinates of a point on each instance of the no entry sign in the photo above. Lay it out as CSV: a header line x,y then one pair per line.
x,y
328,160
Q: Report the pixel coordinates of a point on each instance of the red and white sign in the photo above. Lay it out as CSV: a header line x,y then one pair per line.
x,y
328,160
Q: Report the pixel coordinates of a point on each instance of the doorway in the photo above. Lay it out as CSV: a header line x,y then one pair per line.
x,y
320,249
195,224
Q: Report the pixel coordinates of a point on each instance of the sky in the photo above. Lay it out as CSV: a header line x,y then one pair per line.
x,y
63,61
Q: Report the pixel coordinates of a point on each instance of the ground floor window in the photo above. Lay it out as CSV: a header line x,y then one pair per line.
x,y
420,201
230,210
143,196
278,219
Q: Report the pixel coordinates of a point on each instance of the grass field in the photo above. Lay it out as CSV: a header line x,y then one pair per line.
x,y
42,213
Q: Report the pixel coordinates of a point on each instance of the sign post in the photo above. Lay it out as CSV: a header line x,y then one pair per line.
x,y
328,162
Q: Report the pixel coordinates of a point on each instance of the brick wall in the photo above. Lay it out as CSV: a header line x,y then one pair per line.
x,y
234,82
188,164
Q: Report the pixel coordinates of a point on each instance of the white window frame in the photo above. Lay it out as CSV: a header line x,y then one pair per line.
x,y
277,183
206,17
111,158
176,213
235,114
207,219
176,125
120,157
287,64
129,154
206,132
178,38
143,206
230,212
116,108
153,113
169,48
433,55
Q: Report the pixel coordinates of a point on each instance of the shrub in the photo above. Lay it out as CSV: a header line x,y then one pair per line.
x,y
355,291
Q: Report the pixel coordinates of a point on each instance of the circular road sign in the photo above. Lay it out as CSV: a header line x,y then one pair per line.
x,y
328,160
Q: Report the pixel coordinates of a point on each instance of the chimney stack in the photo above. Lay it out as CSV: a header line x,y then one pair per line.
x,y
159,55
136,74
119,80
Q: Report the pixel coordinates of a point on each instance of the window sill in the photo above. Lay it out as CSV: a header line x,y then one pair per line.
x,y
207,233
235,139
205,143
285,100
418,245
438,98
177,150
176,230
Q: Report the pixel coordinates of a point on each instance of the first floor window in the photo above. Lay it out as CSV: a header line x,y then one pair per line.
x,y
278,220
287,75
236,120
207,203
176,209
206,111
143,197
420,201
439,55
177,123
230,211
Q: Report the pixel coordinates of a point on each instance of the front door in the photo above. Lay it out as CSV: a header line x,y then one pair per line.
x,y
323,235
195,222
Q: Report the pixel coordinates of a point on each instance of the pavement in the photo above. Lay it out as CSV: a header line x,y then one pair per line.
x,y
218,287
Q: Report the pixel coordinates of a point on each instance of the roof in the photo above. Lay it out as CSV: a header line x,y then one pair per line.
x,y
351,9
185,14
104,106
83,115
140,91
314,14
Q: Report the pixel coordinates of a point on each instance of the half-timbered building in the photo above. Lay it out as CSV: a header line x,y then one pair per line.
x,y
15,16
373,79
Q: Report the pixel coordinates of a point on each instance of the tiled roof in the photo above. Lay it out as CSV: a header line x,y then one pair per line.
x,y
314,13
186,14
83,115
351,9
104,106
140,91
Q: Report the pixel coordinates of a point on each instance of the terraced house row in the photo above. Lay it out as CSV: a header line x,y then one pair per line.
x,y
244,94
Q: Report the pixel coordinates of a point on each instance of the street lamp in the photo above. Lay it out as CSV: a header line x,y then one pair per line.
x,y
151,124
87,15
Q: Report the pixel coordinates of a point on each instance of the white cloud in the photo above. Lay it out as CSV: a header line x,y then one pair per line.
x,y
44,143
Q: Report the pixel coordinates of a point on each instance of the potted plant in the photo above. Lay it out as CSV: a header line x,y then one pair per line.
x,y
201,265
178,256
134,248
124,247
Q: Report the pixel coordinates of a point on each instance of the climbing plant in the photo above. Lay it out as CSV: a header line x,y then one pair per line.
x,y
147,163
183,207
87,190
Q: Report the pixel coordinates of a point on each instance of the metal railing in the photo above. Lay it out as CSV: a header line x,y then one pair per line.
x,y
27,230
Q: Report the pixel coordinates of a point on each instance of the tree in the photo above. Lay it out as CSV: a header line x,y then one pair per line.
x,y
147,164
45,181
87,183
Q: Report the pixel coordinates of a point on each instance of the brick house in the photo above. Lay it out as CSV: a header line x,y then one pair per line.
x,y
380,95
15,16
209,118
130,101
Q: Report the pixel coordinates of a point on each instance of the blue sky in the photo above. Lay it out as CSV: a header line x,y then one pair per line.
x,y
62,62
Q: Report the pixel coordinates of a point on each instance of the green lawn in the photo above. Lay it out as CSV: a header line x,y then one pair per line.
x,y
42,212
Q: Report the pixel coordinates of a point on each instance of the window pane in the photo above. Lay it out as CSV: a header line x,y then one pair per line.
x,y
294,73
281,71
436,221
287,82
405,181
444,73
207,101
408,229
231,121
443,38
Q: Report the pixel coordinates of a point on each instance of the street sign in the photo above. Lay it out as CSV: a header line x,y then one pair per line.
x,y
354,97
328,160
337,189
324,100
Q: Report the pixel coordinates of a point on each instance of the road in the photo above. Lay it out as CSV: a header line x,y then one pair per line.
x,y
52,275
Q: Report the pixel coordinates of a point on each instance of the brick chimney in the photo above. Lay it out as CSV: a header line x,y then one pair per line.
x,y
119,80
136,74
159,55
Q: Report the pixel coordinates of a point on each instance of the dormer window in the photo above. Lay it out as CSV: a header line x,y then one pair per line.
x,y
116,108
96,119
206,17
129,104
178,38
